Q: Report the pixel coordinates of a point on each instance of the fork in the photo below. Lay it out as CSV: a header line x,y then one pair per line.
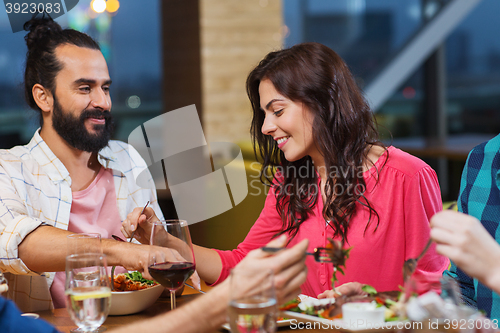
x,y
137,227
320,254
410,265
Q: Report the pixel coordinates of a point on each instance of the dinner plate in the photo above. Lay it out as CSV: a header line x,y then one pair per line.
x,y
303,321
280,323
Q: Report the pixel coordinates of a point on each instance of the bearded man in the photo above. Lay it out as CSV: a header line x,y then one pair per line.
x,y
70,178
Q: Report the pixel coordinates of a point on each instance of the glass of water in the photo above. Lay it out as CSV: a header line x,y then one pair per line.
x,y
87,289
252,306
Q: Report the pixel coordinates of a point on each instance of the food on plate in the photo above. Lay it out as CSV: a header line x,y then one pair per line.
x,y
290,304
331,308
132,281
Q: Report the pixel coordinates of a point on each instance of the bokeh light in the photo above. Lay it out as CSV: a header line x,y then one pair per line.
x,y
98,6
79,19
409,92
103,23
112,5
133,102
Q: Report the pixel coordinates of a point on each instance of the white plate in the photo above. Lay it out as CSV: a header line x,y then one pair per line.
x,y
280,323
300,320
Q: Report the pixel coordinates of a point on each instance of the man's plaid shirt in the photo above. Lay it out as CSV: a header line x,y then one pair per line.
x,y
480,197
35,189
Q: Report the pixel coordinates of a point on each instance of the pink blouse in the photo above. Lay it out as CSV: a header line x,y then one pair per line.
x,y
405,197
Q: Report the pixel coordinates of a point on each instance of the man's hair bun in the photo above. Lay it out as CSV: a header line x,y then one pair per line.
x,y
39,29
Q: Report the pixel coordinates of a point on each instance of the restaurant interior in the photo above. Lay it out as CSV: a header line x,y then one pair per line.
x,y
430,70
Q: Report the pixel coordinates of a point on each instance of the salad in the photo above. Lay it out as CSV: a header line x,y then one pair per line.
x,y
132,281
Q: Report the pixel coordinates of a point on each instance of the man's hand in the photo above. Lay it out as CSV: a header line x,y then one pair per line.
x,y
466,242
141,222
133,257
288,267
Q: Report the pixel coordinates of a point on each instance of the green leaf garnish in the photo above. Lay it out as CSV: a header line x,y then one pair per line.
x,y
369,289
390,302
137,276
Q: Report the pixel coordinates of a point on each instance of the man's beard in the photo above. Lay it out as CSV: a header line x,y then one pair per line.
x,y
73,131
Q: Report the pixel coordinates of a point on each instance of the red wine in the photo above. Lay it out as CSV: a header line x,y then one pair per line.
x,y
172,275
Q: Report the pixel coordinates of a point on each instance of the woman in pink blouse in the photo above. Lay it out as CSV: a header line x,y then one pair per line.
x,y
330,177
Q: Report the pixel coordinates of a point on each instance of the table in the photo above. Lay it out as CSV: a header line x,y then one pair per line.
x,y
61,320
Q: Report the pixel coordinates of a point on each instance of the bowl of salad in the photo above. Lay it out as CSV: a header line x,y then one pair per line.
x,y
133,294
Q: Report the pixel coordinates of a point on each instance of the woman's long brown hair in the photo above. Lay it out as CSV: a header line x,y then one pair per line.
x,y
343,130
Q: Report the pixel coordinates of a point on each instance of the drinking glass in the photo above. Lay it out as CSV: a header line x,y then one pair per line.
x,y
84,243
81,243
3,284
252,306
171,258
88,293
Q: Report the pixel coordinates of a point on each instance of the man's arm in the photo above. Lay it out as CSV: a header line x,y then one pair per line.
x,y
205,314
54,242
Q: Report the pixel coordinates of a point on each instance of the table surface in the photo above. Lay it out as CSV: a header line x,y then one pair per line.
x,y
61,320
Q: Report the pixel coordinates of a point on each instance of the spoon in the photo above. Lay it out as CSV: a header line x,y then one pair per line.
x,y
121,240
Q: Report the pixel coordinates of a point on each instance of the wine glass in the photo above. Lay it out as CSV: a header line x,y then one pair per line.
x,y
252,305
88,293
171,257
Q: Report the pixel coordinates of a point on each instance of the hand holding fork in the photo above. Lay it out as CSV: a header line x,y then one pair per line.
x,y
335,255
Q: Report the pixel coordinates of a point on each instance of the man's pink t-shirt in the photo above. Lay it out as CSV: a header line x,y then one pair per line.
x,y
405,193
93,210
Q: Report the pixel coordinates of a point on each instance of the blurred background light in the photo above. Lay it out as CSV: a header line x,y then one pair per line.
x,y
79,19
112,5
98,6
103,23
409,92
133,102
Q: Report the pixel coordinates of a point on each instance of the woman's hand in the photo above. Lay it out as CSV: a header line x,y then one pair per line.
x,y
347,289
141,222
